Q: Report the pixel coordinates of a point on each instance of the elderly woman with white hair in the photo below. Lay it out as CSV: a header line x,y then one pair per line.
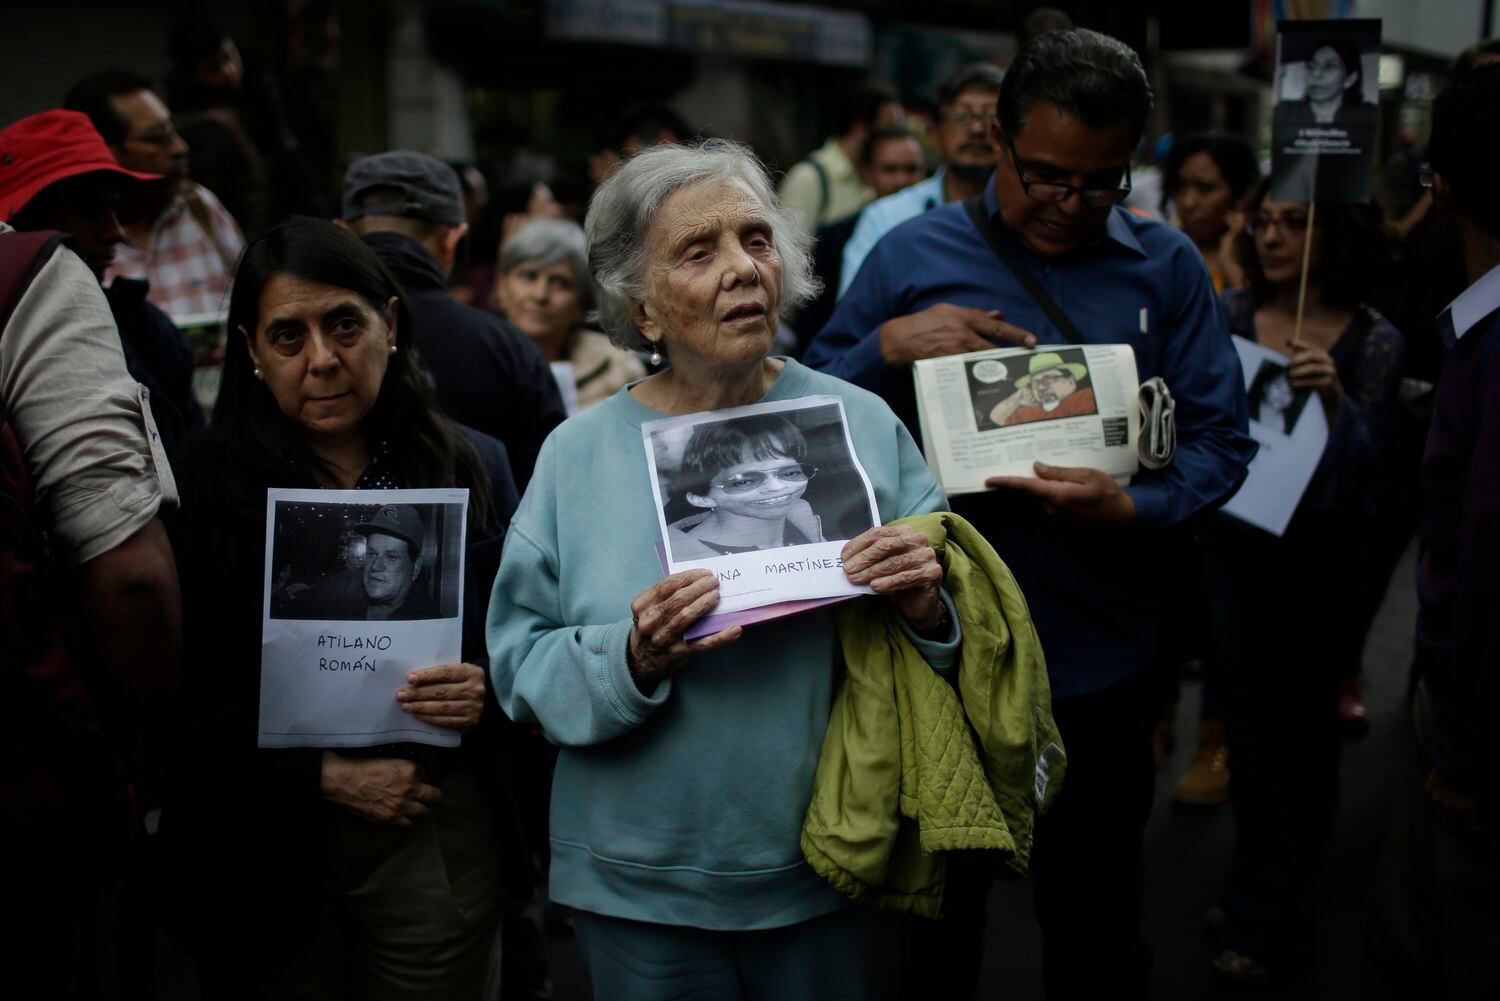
x,y
544,288
686,767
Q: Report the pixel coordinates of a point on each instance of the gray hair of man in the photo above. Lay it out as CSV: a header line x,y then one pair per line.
x,y
550,241
622,210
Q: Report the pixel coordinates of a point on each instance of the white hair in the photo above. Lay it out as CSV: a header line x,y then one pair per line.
x,y
622,210
551,241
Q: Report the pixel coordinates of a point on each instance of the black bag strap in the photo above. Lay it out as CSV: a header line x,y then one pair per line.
x,y
1011,258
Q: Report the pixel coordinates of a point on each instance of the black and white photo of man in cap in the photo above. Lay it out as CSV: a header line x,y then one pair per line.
x,y
379,572
393,562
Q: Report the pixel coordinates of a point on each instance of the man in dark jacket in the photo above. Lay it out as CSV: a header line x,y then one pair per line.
x,y
59,174
409,207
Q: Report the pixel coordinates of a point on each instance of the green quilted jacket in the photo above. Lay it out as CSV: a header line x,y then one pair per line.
x,y
915,766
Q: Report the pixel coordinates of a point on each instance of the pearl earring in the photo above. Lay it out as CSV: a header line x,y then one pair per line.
x,y
655,358
393,349
258,374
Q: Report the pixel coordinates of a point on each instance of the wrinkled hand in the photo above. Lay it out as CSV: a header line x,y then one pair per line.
x,y
897,561
1458,811
1312,368
661,614
390,792
946,329
1073,492
449,695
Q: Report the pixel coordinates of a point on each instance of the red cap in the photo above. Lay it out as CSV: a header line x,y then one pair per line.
x,y
40,150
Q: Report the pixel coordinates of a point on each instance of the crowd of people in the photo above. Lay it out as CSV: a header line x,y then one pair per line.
x,y
699,809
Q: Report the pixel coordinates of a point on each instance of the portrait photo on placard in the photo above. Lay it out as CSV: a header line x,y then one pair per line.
x,y
1044,386
1273,401
758,481
340,561
1327,109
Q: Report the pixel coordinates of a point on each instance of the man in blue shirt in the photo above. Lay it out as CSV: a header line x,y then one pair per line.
x,y
966,108
1087,553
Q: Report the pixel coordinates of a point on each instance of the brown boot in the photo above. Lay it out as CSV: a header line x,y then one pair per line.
x,y
1206,783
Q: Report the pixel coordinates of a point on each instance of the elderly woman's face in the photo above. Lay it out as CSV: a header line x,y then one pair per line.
x,y
541,299
713,277
1327,76
322,352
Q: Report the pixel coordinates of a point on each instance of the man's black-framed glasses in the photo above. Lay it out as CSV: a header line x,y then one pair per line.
x,y
1056,191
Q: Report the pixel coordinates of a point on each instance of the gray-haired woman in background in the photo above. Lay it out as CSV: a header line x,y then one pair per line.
x,y
545,289
686,767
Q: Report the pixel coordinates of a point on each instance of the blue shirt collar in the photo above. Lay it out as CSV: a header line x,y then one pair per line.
x,y
1117,228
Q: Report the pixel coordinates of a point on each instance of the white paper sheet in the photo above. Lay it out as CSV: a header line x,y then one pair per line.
x,y
1292,431
792,530
336,560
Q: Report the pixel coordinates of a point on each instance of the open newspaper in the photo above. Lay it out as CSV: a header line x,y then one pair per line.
x,y
994,413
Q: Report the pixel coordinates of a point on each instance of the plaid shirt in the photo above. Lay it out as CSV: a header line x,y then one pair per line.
x,y
188,268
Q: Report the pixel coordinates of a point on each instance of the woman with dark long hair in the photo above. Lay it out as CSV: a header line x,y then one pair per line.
x,y
375,870
1283,609
1206,179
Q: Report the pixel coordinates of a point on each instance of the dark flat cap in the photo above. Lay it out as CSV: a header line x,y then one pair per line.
x,y
406,184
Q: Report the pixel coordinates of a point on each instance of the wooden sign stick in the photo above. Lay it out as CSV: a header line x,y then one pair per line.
x,y
1307,242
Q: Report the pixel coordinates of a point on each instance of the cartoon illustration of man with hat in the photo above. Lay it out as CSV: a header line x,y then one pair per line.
x,y
1048,391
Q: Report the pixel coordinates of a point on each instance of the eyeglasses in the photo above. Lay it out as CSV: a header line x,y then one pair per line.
x,y
163,135
743,483
1291,223
1052,378
1056,191
964,119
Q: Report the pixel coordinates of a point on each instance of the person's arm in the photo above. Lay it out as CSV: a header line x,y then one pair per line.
x,y
803,192
575,681
871,340
1361,413
1466,746
1202,371
531,404
87,435
133,608
921,494
867,232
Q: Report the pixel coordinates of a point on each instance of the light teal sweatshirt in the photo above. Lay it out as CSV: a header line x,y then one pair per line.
x,y
685,807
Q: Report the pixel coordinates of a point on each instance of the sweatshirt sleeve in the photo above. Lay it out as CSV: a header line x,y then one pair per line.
x,y
572,680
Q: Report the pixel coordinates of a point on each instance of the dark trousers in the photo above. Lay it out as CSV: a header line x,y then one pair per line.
x,y
1086,862
1434,925
1089,859
1281,613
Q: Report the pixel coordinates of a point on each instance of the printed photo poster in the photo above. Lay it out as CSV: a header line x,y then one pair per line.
x,y
1323,125
765,496
1292,432
362,586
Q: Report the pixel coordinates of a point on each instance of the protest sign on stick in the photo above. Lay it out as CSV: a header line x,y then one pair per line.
x,y
1323,127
